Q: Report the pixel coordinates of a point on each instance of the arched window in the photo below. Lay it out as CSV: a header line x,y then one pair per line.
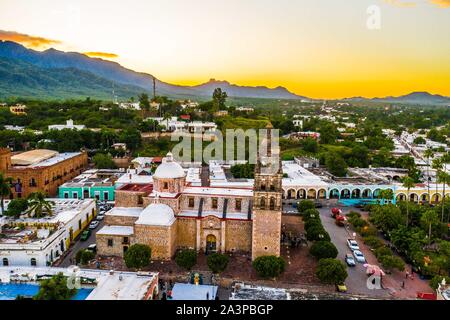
x,y
5,262
262,203
33,262
272,204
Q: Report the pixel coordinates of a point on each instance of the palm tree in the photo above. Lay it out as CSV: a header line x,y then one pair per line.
x,y
437,165
408,183
428,154
429,218
38,206
5,190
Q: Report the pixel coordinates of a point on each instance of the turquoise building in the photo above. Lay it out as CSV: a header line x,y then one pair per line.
x,y
94,184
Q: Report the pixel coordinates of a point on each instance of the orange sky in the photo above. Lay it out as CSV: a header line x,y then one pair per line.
x,y
315,48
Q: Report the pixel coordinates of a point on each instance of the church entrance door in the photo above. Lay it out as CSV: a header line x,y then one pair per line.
x,y
211,243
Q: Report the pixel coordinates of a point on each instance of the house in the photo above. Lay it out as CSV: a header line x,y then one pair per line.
x,y
69,125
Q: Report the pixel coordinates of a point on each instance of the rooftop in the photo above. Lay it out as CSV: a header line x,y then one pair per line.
x,y
40,158
187,291
133,187
116,230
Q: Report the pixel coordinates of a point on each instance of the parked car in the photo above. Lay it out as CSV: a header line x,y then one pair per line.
x,y
85,235
93,225
318,204
341,287
100,217
359,256
352,244
349,260
92,247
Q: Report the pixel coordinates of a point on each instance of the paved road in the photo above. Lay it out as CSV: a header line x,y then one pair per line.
x,y
357,278
80,245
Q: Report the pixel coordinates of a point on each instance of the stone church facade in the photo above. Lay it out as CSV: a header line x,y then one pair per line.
x,y
174,215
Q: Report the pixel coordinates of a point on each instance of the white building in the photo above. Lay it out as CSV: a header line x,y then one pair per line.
x,y
29,241
130,105
69,125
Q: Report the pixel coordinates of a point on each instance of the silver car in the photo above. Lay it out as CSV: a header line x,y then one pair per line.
x,y
359,256
352,244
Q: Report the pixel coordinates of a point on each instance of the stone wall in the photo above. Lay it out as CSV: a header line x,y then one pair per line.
x,y
116,250
266,233
160,239
128,199
186,232
120,220
238,235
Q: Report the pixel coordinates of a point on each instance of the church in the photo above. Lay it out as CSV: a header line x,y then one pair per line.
x,y
172,214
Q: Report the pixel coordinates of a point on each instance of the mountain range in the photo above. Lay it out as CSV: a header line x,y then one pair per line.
x,y
56,74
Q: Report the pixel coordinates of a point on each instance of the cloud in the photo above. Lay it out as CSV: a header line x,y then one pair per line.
x,y
441,3
401,3
27,40
105,55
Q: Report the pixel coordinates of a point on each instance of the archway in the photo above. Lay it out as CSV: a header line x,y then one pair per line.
x,y
401,197
334,194
413,197
211,243
424,197
312,194
376,193
291,194
322,194
345,194
367,194
435,198
301,194
356,193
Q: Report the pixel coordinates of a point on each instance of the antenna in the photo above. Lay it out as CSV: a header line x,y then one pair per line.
x,y
154,88
114,100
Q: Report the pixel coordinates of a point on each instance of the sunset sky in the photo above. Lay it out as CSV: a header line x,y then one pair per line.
x,y
316,48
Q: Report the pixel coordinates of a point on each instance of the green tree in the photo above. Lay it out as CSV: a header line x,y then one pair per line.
x,y
436,280
55,288
5,190
218,99
408,183
331,271
16,207
392,262
328,133
84,256
317,233
144,101
38,206
429,153
305,205
428,219
103,161
323,250
217,262
269,266
138,256
310,145
186,258
335,164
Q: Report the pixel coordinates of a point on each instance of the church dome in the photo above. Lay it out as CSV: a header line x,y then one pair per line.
x,y
169,169
157,214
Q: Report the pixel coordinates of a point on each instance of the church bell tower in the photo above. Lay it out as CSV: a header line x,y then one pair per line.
x,y
267,200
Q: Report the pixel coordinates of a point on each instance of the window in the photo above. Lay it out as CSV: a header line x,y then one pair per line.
x,y
238,206
66,195
263,186
75,195
97,195
79,224
214,203
125,248
272,204
110,242
140,199
126,240
5,262
191,202
33,182
166,185
106,195
262,203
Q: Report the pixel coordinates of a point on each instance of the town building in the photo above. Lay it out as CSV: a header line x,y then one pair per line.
x,y
18,109
96,184
69,125
30,241
40,170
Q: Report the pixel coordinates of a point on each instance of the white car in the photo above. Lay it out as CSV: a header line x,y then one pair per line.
x,y
93,225
352,244
100,217
359,256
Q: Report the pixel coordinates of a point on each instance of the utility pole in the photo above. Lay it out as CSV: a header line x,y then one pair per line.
x,y
154,89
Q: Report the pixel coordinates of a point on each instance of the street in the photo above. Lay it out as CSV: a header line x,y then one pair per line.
x,y
69,259
357,279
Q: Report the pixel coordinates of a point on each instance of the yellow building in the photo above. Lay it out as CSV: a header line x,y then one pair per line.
x,y
18,109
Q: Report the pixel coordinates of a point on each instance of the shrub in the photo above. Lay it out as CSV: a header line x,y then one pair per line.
x,y
353,214
317,233
217,262
186,258
55,288
368,231
84,256
323,250
137,256
383,251
331,271
305,205
312,223
436,280
16,207
269,266
392,262
373,242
